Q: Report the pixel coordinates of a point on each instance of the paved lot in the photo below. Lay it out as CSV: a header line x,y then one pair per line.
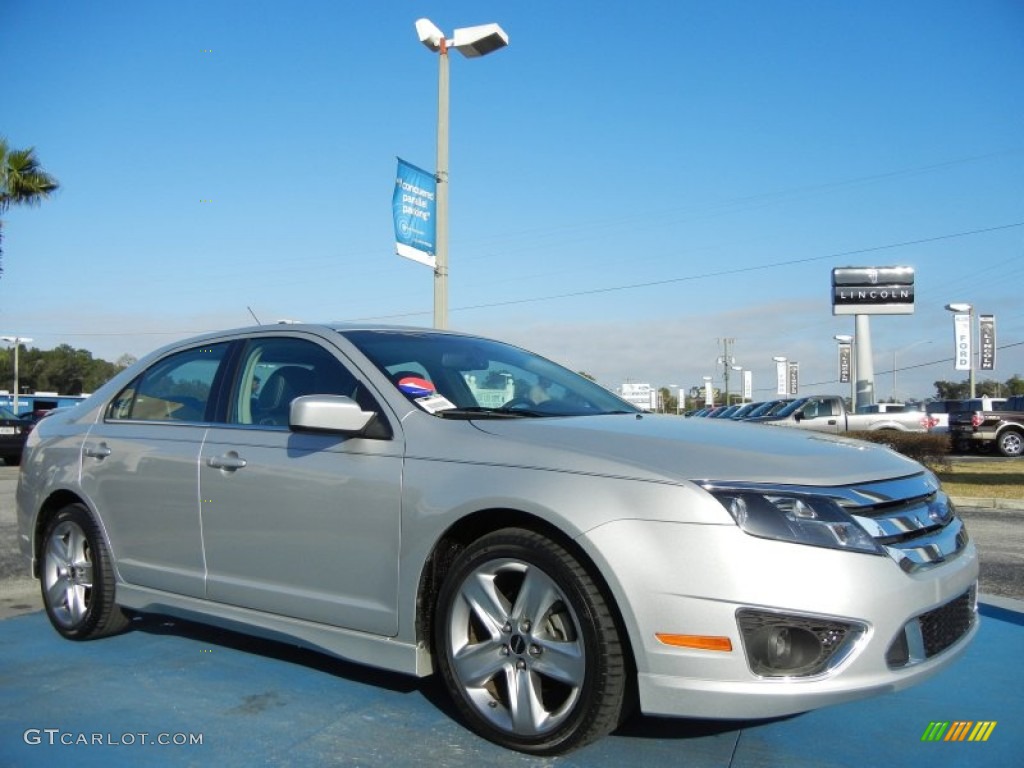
x,y
253,702
260,703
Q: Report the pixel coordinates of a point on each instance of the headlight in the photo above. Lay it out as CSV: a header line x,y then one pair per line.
x,y
799,518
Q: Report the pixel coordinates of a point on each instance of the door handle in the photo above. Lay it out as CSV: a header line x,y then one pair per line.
x,y
100,451
229,461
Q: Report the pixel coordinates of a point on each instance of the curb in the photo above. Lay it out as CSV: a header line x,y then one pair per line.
x,y
986,503
1011,604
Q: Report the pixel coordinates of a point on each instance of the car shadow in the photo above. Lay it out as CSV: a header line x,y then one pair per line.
x,y
432,689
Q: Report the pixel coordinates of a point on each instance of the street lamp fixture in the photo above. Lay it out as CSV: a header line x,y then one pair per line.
x,y
471,42
17,341
961,308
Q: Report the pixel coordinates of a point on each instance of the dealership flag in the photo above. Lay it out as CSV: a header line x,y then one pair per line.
x,y
987,342
414,207
962,338
780,375
794,378
845,362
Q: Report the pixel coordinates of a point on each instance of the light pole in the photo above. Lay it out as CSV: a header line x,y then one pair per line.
x,y
960,309
902,349
846,339
470,42
16,341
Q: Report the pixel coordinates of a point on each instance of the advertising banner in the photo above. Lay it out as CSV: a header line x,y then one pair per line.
x,y
414,206
962,340
709,394
780,375
845,363
987,341
748,385
794,379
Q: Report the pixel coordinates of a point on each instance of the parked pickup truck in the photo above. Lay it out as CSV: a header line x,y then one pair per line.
x,y
1002,428
827,413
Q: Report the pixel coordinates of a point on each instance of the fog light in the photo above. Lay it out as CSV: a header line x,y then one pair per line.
x,y
785,650
780,645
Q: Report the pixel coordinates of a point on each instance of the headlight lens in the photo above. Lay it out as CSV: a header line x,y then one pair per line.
x,y
801,519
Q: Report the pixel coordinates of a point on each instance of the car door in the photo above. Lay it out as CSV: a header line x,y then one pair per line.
x,y
139,470
304,525
823,415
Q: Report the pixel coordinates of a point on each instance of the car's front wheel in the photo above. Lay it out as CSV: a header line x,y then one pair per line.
x,y
527,645
77,578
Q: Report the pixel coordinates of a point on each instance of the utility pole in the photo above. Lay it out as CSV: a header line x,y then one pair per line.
x,y
726,361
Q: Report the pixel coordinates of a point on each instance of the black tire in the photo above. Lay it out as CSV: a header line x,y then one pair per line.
x,y
566,665
77,577
1011,443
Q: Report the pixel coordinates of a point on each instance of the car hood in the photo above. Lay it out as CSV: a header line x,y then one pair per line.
x,y
669,448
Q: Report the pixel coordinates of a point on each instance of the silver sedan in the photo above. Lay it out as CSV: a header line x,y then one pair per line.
x,y
426,501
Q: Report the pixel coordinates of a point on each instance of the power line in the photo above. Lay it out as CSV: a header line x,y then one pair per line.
x,y
944,360
706,275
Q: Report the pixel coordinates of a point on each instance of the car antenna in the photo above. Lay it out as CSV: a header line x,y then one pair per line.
x,y
254,315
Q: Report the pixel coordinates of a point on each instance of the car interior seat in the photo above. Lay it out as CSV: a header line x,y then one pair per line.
x,y
276,395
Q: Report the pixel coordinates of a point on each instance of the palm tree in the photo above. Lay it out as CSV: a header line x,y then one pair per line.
x,y
22,181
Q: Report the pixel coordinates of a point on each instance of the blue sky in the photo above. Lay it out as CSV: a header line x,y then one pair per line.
x,y
630,183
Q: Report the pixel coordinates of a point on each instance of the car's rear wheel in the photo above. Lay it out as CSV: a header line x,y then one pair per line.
x,y
1011,443
527,645
77,578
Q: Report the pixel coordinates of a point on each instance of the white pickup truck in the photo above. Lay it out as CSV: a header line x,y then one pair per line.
x,y
827,413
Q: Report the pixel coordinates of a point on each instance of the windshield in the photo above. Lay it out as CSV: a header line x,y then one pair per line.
x,y
451,376
788,410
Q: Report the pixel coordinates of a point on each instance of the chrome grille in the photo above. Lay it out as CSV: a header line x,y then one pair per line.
x,y
911,518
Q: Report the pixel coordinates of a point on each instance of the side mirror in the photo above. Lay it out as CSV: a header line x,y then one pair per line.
x,y
798,416
328,413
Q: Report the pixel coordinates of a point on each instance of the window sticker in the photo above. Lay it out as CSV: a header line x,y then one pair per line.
x,y
414,386
434,403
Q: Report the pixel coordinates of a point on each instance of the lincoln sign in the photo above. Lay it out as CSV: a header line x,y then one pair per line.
x,y
873,291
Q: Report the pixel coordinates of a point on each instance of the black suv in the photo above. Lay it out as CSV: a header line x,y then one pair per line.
x,y
1002,428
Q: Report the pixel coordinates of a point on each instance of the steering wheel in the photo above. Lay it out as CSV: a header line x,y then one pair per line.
x,y
519,402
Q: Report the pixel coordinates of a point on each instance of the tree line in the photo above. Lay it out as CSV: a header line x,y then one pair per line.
x,y
65,370
954,390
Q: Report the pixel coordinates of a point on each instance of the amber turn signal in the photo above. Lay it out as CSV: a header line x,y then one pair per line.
x,y
700,642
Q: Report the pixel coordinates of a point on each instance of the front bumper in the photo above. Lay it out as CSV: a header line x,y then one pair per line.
x,y
694,579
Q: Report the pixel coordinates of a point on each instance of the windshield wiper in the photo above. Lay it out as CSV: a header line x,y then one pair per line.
x,y
484,413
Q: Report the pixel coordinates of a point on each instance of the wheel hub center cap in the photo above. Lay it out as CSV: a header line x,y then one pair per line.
x,y
517,644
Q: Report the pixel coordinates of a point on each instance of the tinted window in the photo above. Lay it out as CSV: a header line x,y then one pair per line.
x,y
177,388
